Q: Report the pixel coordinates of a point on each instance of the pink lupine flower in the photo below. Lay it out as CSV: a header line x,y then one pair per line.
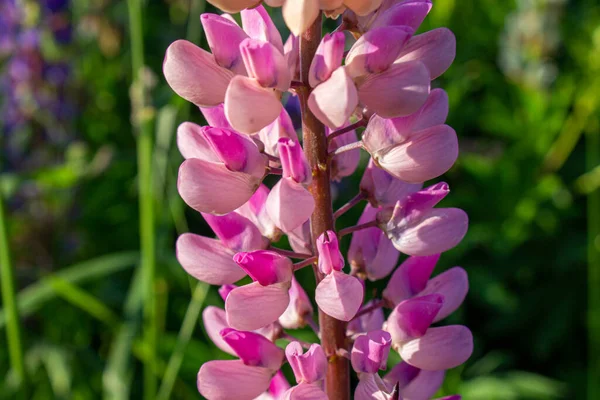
x,y
370,352
262,302
290,192
370,251
414,383
343,164
338,294
277,388
410,278
309,367
255,210
411,318
327,59
409,13
453,284
281,128
236,232
298,309
383,189
224,37
245,378
416,228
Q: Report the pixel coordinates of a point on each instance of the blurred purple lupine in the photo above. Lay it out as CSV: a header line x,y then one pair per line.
x,y
381,84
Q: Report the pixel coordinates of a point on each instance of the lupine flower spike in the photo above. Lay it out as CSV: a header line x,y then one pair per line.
x,y
377,80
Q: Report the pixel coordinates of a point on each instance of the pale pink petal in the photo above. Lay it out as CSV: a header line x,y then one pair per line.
x,y
265,63
370,352
207,260
414,383
410,278
248,106
300,14
343,164
288,195
334,100
299,308
292,54
282,127
215,116
383,188
376,50
192,143
255,210
236,232
362,7
232,379
453,284
396,92
214,321
194,74
426,155
300,239
327,59
370,321
411,318
328,250
258,25
436,49
409,13
433,112
254,349
339,295
372,387
224,38
308,367
279,385
305,391
441,348
253,306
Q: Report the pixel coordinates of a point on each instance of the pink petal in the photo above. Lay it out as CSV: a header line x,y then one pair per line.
x,y
214,321
453,284
300,239
248,106
372,387
328,249
282,127
343,164
426,155
305,391
224,291
192,143
376,50
334,100
288,195
215,116
207,260
370,321
411,318
293,161
383,188
254,349
339,295
410,278
327,59
409,13
279,385
265,267
300,14
441,348
436,49
236,232
419,202
258,25
439,231
238,152
433,112
224,38
308,367
398,91
255,210
232,379
194,74
265,63
370,352
299,308
212,188
253,306
414,383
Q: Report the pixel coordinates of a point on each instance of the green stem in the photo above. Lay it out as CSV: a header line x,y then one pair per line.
x,y
13,325
142,120
185,333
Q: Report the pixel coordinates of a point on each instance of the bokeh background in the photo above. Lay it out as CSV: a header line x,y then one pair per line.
x,y
525,102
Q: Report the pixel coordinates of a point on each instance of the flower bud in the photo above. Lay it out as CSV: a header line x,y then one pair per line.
x,y
224,38
309,367
293,161
330,257
370,352
327,58
266,64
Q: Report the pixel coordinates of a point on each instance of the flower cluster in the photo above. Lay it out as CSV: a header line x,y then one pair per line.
x,y
381,83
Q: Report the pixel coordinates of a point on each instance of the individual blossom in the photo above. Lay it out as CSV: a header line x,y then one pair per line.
x,y
309,370
383,189
299,308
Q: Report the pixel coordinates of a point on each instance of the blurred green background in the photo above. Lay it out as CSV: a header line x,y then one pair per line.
x,y
80,143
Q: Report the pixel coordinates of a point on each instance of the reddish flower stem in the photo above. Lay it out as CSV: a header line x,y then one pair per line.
x,y
351,229
290,254
358,124
348,206
372,307
333,331
305,263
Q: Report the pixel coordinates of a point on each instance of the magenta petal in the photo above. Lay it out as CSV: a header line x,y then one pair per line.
x,y
370,352
299,308
214,321
453,284
372,387
334,100
288,195
409,278
211,188
414,383
308,367
258,25
427,154
238,152
232,379
265,267
236,232
437,231
328,249
409,13
423,200
453,397
192,143
266,64
215,116
194,74
411,318
254,349
305,391
249,107
433,112
376,50
327,59
207,260
224,291
339,295
293,161
253,306
396,92
441,348
436,49
224,38
279,385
